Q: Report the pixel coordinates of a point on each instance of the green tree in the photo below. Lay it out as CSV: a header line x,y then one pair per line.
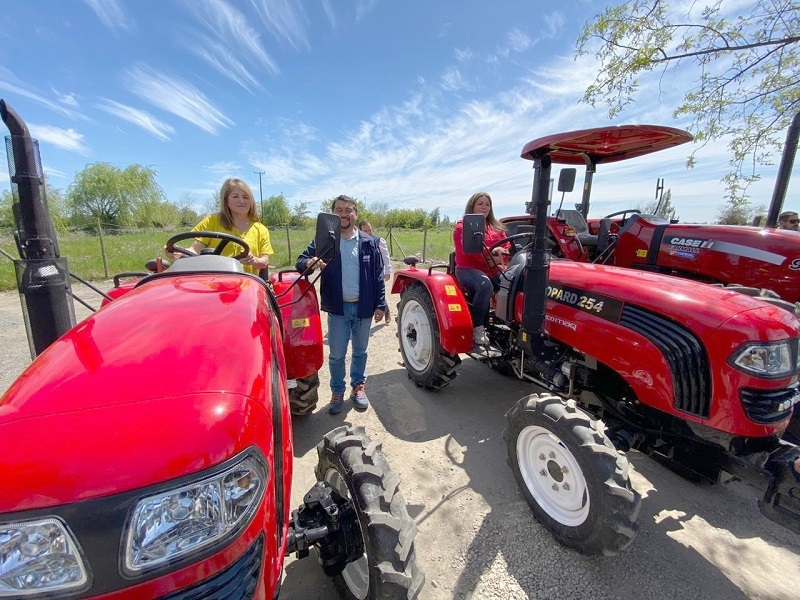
x,y
106,192
662,208
407,218
276,211
6,212
55,205
747,71
300,215
434,217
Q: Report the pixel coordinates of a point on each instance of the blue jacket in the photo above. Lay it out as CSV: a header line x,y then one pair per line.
x,y
371,288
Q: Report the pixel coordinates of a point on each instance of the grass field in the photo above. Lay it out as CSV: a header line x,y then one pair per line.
x,y
129,251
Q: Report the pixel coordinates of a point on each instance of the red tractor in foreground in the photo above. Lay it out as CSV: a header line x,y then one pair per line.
x,y
147,451
701,377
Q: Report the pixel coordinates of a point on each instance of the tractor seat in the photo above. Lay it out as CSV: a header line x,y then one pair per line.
x,y
575,219
451,268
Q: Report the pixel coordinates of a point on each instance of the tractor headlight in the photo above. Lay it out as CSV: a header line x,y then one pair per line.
x,y
765,359
175,523
38,557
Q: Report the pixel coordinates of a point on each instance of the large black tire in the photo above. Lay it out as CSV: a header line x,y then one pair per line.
x,y
355,466
427,363
573,479
303,398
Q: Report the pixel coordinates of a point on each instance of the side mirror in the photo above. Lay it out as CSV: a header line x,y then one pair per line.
x,y
474,228
566,179
326,241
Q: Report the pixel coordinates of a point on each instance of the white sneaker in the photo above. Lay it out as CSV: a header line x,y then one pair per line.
x,y
479,336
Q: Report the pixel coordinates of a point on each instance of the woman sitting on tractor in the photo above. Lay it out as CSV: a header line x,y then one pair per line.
x,y
479,273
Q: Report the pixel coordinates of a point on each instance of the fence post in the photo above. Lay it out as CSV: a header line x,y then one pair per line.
x,y
289,244
391,249
424,242
102,248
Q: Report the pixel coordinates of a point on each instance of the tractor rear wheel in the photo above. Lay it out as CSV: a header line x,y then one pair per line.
x,y
573,479
304,396
428,364
355,467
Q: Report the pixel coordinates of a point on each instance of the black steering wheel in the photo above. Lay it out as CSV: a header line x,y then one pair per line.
x,y
225,237
624,213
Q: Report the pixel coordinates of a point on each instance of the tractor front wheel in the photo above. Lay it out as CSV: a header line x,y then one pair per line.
x,y
428,364
304,396
573,479
355,467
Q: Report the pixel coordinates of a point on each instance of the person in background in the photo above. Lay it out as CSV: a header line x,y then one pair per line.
x,y
788,220
479,273
353,293
366,227
237,216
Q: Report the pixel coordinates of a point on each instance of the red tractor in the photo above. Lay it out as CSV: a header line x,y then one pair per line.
x,y
147,451
701,377
753,258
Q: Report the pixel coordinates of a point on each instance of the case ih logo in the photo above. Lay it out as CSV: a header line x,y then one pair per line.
x,y
690,242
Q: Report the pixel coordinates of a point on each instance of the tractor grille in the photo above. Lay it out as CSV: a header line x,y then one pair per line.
x,y
685,355
767,406
238,582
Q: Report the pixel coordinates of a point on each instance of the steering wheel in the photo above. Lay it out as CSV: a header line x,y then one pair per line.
x,y
225,237
624,213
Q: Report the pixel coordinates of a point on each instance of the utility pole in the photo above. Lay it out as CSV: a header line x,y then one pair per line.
x,y
260,193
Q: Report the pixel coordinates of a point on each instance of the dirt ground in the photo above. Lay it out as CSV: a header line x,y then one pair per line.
x,y
476,536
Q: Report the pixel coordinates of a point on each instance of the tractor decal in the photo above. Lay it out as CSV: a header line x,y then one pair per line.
x,y
686,247
795,264
562,322
594,304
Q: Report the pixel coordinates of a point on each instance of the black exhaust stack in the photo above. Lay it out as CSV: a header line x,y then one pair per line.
x,y
538,265
784,171
42,276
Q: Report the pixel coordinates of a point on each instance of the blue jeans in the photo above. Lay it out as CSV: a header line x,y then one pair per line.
x,y
482,289
340,329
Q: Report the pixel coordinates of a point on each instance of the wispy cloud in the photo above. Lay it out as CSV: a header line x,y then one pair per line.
x,y
463,55
223,169
228,42
176,96
364,7
516,41
110,14
285,20
554,22
326,6
9,82
138,117
453,80
67,139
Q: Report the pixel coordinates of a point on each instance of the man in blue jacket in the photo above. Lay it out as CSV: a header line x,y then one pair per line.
x,y
353,293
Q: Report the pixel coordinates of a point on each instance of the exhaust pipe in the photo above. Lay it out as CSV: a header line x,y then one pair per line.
x,y
42,275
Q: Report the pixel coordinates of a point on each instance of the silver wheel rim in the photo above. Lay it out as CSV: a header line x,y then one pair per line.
x,y
416,336
356,573
553,476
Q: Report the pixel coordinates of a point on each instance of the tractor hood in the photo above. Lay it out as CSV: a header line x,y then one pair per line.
x,y
605,144
51,460
170,337
699,306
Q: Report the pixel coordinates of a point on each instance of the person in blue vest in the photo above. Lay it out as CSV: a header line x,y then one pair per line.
x,y
353,294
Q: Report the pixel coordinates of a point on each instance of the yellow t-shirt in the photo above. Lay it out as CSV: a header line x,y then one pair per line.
x,y
256,236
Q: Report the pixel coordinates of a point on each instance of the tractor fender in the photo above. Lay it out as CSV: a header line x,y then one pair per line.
x,y
302,325
452,310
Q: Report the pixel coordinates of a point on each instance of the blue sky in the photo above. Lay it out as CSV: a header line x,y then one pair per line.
x,y
414,103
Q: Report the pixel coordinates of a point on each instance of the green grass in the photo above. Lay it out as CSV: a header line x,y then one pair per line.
x,y
130,251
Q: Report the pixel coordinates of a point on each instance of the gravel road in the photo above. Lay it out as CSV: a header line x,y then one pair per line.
x,y
477,538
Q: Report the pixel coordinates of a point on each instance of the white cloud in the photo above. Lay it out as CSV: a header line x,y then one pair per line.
x,y
326,5
364,7
554,22
110,14
138,117
463,55
453,80
9,82
68,139
228,40
285,20
177,97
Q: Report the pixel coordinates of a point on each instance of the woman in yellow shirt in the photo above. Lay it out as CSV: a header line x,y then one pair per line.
x,y
237,216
